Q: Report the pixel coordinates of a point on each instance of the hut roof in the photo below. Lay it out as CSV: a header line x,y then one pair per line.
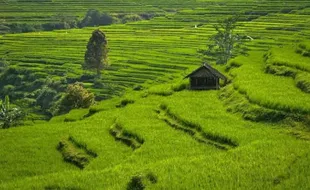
x,y
206,70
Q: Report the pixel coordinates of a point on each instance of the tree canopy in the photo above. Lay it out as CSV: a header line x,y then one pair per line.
x,y
76,97
96,55
94,18
225,43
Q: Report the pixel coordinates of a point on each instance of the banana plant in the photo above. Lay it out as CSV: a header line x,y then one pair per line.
x,y
9,116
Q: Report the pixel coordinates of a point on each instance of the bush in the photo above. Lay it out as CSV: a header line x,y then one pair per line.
x,y
131,18
94,17
76,97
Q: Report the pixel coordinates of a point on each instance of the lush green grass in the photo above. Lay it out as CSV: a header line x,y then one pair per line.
x,y
285,57
140,53
159,133
265,152
274,92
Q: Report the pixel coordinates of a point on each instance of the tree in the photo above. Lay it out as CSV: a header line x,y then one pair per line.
x,y
77,97
225,44
94,18
96,55
65,21
9,116
46,97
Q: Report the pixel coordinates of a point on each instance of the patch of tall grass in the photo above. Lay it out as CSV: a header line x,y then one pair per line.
x,y
284,56
130,139
75,152
303,81
274,92
197,128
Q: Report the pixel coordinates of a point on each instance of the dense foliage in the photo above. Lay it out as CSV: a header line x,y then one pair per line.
x,y
96,55
95,18
9,116
225,43
76,97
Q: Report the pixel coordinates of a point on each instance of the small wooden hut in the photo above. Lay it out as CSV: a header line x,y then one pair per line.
x,y
205,77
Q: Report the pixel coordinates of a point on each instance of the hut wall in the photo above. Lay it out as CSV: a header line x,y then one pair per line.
x,y
201,83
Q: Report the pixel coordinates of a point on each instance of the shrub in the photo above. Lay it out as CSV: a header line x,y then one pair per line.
x,y
77,97
131,18
94,17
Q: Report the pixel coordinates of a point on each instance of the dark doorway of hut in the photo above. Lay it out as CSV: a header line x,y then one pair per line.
x,y
205,78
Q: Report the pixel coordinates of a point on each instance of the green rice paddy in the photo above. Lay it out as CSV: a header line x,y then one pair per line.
x,y
149,130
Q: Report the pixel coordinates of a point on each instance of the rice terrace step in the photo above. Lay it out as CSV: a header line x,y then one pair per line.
x,y
154,94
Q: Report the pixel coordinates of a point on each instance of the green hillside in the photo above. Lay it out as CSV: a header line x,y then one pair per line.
x,y
148,130
140,52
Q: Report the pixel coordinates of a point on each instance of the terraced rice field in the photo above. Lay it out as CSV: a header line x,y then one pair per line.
x,y
150,132
260,156
148,51
47,11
